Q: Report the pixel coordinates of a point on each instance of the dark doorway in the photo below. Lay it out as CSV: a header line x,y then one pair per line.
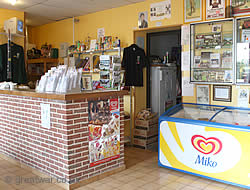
x,y
168,44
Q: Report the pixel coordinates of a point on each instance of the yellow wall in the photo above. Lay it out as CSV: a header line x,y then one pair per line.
x,y
118,22
6,14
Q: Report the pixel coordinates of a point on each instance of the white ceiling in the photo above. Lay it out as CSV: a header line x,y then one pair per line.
x,y
45,11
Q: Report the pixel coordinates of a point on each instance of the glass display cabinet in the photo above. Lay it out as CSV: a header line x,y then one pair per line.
x,y
212,52
208,141
242,50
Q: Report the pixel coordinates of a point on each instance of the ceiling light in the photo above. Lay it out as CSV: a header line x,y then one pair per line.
x,y
12,2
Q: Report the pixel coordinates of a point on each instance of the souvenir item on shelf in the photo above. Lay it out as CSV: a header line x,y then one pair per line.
x,y
105,70
87,82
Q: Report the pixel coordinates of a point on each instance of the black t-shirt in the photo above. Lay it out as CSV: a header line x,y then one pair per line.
x,y
17,61
134,60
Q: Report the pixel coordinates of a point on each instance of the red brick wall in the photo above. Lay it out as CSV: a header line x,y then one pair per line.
x,y
61,151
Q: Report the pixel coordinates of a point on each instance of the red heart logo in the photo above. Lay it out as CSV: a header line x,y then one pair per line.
x,y
204,145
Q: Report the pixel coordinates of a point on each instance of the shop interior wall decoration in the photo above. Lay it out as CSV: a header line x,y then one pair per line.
x,y
240,7
192,10
202,94
212,52
222,93
143,20
242,58
215,9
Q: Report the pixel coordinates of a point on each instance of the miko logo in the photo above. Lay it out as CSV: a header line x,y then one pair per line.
x,y
206,146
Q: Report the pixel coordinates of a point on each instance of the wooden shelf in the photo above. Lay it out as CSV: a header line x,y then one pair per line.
x,y
42,60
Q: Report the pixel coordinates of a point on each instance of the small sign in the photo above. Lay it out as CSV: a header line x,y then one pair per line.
x,y
45,115
158,24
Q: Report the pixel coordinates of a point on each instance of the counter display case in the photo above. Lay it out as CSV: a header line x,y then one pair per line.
x,y
212,52
208,141
242,50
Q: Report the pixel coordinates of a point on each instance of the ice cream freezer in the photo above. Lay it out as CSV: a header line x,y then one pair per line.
x,y
208,141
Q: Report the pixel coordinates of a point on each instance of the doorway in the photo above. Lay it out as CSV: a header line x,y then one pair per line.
x,y
164,52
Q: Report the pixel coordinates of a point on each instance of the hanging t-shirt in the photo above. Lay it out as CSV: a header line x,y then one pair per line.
x,y
134,60
17,61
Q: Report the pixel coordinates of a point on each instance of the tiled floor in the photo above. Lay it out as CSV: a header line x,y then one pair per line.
x,y
142,173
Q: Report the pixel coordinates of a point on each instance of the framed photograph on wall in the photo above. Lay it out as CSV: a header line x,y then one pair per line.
x,y
202,94
222,93
240,7
215,9
192,10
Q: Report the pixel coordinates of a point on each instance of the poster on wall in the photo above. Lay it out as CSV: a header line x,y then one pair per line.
x,y
160,11
100,33
243,98
240,7
215,9
143,20
104,131
193,10
202,94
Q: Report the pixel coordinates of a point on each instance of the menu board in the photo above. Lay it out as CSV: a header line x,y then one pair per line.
x,y
104,131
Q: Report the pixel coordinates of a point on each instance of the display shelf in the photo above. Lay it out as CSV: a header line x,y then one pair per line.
x,y
98,51
17,35
213,69
212,52
43,61
242,50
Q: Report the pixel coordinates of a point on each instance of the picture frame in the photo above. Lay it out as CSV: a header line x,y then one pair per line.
x,y
215,9
202,94
239,8
222,93
191,15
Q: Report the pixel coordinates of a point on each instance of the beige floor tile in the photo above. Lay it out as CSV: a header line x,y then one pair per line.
x,y
103,187
230,187
138,182
125,179
189,188
5,186
175,185
115,184
54,187
213,187
185,180
151,186
128,187
198,184
218,184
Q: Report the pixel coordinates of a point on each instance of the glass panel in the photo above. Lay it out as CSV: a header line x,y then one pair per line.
x,y
212,52
194,112
234,117
242,58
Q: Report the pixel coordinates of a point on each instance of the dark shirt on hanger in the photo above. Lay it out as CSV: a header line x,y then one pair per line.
x,y
17,61
134,59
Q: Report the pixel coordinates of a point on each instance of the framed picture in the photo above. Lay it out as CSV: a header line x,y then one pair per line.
x,y
143,19
240,7
192,10
222,93
202,94
215,9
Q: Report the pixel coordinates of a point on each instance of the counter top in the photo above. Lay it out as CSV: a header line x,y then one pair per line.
x,y
69,96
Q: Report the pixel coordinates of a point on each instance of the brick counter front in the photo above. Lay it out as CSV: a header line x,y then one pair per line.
x,y
63,150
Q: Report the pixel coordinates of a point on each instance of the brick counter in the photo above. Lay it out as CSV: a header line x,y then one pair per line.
x,y
61,151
